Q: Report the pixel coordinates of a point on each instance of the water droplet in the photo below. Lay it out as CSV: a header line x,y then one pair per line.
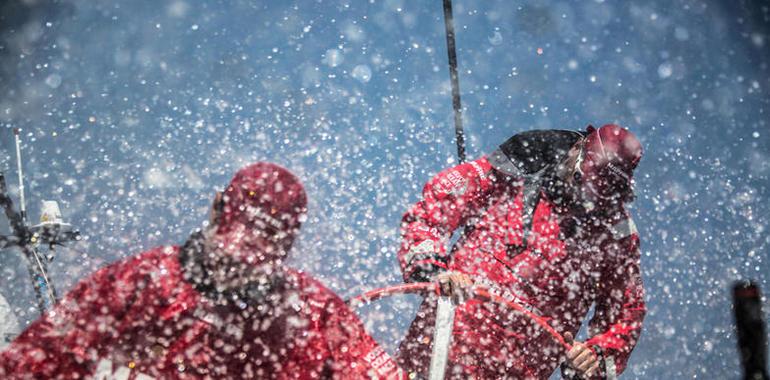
x,y
495,39
333,58
53,80
362,73
681,33
665,70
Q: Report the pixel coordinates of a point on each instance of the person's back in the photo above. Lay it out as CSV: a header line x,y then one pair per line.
x,y
179,312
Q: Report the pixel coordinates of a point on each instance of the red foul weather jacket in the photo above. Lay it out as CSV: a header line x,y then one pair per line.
x,y
140,319
570,262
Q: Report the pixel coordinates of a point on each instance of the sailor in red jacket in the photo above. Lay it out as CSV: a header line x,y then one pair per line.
x,y
542,222
222,306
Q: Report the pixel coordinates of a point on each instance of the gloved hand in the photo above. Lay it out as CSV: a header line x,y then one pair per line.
x,y
454,285
581,359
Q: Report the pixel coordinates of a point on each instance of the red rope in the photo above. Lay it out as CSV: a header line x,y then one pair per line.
x,y
484,295
412,288
480,293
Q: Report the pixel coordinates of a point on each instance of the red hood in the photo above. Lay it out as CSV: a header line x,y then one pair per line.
x,y
265,202
611,155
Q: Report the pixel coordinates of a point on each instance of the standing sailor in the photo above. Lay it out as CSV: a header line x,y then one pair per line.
x,y
544,224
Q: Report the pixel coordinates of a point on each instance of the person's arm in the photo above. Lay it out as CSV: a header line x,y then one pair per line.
x,y
619,306
449,199
68,340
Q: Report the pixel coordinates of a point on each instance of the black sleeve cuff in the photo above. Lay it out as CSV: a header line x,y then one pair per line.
x,y
424,272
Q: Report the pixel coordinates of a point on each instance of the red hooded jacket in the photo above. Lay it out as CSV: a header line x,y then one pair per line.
x,y
570,263
160,315
140,319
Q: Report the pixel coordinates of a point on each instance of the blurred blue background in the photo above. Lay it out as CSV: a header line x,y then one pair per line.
x,y
134,112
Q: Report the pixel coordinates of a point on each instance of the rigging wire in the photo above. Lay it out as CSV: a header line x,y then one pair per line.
x,y
456,105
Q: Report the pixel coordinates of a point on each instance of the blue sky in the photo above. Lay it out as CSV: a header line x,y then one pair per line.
x,y
134,112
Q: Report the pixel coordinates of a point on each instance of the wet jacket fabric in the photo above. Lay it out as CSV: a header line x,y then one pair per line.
x,y
140,319
570,262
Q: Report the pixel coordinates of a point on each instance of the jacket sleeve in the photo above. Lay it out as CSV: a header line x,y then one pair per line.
x,y
70,338
354,353
449,199
619,305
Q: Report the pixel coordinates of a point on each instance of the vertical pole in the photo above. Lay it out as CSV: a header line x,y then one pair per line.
x,y
36,266
442,337
456,105
22,205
